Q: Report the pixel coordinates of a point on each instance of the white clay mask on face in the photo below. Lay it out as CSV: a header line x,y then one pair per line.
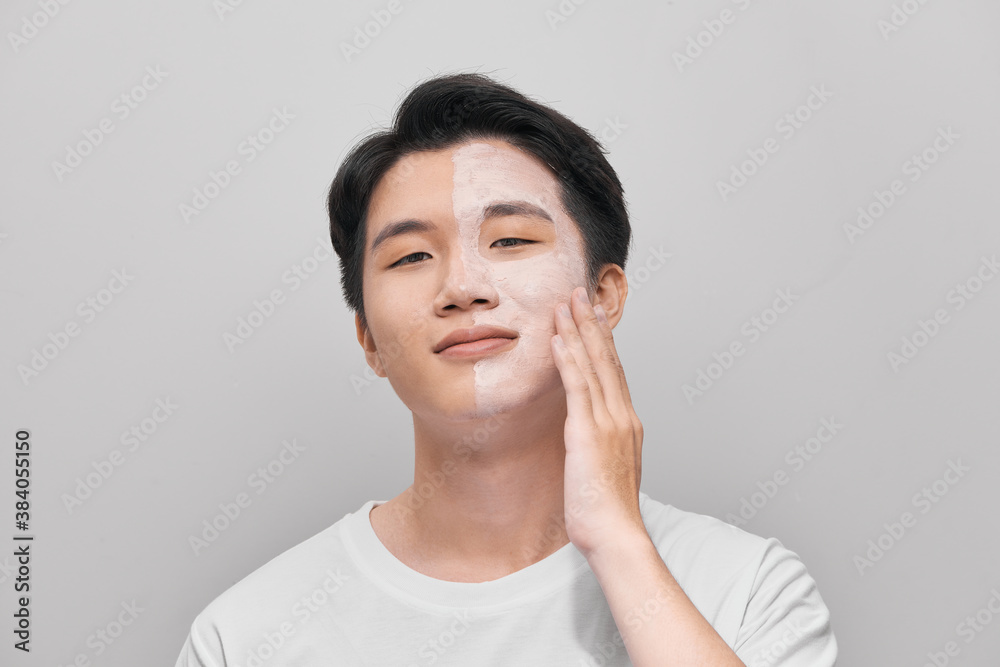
x,y
528,289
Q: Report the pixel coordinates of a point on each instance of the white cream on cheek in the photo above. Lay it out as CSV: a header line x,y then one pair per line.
x,y
528,289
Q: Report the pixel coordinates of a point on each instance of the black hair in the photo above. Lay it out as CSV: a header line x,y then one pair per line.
x,y
452,109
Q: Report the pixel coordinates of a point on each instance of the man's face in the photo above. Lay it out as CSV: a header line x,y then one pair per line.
x,y
493,247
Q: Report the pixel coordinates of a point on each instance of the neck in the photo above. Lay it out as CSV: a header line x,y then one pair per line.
x,y
487,497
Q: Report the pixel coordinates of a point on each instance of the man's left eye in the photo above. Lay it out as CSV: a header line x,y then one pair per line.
x,y
509,245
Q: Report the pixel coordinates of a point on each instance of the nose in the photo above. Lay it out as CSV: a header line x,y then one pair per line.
x,y
467,282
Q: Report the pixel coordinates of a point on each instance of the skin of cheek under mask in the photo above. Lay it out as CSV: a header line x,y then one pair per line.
x,y
528,289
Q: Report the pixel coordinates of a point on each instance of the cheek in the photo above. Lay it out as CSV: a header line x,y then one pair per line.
x,y
530,289
400,327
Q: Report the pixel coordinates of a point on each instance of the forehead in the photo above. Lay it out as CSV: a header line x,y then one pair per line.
x,y
462,179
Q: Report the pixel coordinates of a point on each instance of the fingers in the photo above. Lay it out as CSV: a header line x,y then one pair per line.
x,y
594,376
592,345
582,388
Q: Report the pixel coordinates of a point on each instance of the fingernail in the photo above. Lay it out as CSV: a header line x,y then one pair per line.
x,y
599,311
581,295
564,310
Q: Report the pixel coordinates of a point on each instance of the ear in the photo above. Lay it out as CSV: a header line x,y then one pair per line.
x,y
368,345
612,289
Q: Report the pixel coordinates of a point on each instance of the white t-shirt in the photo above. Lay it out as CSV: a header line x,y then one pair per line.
x,y
341,598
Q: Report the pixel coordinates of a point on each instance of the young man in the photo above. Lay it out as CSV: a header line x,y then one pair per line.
x,y
482,242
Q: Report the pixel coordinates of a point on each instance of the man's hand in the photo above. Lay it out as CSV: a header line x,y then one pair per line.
x,y
603,434
603,468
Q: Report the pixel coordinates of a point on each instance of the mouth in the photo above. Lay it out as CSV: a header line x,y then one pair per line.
x,y
478,348
476,341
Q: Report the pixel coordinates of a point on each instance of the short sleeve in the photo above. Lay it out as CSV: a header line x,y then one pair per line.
x,y
196,652
786,623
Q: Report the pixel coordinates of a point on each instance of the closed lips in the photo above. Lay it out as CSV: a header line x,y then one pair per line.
x,y
460,336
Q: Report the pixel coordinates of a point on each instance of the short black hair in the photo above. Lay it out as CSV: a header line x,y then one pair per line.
x,y
452,109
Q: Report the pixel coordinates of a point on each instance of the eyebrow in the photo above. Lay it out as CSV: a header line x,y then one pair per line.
x,y
493,210
499,209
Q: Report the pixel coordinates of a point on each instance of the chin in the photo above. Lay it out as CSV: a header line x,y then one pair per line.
x,y
517,393
467,399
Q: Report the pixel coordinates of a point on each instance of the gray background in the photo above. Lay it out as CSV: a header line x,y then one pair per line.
x,y
672,132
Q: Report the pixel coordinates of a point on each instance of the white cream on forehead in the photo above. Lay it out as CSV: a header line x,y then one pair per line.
x,y
528,289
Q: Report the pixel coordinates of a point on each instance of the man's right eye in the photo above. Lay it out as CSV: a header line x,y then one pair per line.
x,y
405,260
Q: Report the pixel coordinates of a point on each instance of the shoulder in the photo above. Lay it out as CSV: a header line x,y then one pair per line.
x,y
680,535
715,563
285,591
754,591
